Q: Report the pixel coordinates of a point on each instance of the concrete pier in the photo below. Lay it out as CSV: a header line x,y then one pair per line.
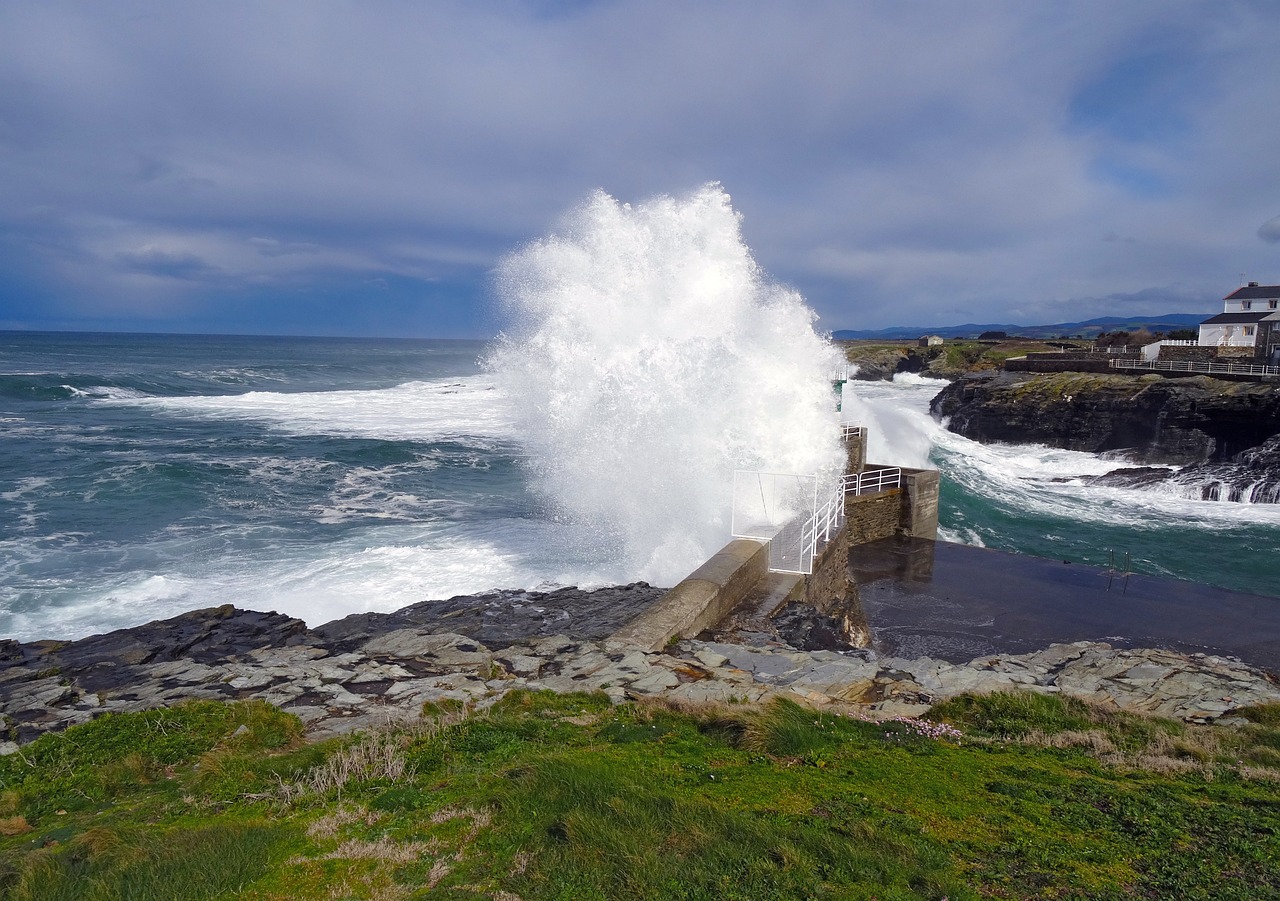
x,y
738,575
703,598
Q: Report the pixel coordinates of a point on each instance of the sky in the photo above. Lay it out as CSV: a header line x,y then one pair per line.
x,y
343,168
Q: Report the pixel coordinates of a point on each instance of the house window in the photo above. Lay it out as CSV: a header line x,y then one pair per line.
x,y
1271,304
1248,331
1246,304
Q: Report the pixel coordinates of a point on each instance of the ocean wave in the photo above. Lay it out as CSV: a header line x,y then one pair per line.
x,y
377,569
438,410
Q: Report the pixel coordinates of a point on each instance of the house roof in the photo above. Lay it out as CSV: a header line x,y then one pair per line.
x,y
1255,292
1225,318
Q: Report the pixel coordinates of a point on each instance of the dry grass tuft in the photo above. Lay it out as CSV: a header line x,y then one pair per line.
x,y
378,755
382,849
439,870
1094,741
1258,773
1164,765
328,825
15,825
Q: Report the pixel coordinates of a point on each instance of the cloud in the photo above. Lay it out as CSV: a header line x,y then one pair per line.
x,y
155,261
1269,231
894,162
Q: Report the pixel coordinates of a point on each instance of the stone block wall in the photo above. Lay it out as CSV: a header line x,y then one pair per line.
x,y
829,580
911,510
1058,363
870,517
1197,354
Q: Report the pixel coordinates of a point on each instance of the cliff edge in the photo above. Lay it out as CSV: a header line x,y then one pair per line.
x,y
1146,419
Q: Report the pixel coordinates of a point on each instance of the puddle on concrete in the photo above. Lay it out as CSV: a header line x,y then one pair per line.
x,y
954,602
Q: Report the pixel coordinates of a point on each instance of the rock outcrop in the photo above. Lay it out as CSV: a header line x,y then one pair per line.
x,y
1252,477
367,677
1146,419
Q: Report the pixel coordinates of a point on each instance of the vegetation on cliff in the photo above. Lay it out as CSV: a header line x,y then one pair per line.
x,y
950,360
566,796
1149,417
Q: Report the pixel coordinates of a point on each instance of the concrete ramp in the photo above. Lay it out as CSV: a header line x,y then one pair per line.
x,y
704,598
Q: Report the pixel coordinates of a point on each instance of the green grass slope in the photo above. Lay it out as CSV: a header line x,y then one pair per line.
x,y
558,797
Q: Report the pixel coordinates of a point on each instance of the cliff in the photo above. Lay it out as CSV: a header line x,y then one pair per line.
x,y
1148,419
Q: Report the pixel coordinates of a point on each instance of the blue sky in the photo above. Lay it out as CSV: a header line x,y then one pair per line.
x,y
358,169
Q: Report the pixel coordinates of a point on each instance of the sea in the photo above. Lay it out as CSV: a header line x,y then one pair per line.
x,y
142,476
1035,500
645,358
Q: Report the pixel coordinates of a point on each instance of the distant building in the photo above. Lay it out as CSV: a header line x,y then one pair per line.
x,y
930,340
1250,318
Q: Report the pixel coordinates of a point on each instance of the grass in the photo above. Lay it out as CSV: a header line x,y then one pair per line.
x,y
565,796
949,360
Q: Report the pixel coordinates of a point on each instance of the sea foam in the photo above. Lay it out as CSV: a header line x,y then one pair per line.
x,y
648,356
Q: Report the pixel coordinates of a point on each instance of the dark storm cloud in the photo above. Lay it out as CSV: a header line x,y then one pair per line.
x,y
1269,231
906,162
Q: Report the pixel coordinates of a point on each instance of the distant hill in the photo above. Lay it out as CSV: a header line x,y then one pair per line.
x,y
1088,329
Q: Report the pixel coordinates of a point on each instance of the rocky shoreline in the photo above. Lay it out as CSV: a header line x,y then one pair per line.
x,y
381,668
1146,418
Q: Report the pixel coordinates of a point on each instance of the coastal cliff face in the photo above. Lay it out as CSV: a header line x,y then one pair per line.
x,y
1147,419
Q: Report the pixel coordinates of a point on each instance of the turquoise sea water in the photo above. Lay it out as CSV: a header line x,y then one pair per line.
x,y
1031,500
145,475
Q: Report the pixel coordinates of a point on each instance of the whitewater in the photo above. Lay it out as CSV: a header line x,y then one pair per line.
x,y
646,357
1035,500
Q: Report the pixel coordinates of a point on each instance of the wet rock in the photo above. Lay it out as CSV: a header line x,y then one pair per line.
x,y
1148,418
388,677
499,618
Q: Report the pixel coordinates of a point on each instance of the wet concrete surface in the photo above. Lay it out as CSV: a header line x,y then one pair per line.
x,y
955,603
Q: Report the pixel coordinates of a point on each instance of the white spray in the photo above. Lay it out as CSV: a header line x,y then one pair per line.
x,y
648,358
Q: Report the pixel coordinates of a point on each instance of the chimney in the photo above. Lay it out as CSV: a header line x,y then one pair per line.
x,y
1253,284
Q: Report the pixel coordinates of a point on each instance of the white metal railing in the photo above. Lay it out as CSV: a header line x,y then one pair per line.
x,y
871,481
852,431
787,511
1195,366
1178,342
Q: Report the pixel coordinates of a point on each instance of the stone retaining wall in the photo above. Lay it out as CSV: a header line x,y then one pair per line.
x,y
870,517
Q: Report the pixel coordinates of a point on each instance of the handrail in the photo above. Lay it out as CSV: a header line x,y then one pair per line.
x,y
872,481
1196,366
848,431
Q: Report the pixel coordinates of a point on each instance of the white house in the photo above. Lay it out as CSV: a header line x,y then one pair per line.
x,y
1250,317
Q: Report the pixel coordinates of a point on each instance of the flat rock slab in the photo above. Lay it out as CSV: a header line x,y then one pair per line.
x,y
337,687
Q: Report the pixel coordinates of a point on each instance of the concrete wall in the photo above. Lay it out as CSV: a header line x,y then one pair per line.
x,y
919,514
911,510
702,599
714,589
856,449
